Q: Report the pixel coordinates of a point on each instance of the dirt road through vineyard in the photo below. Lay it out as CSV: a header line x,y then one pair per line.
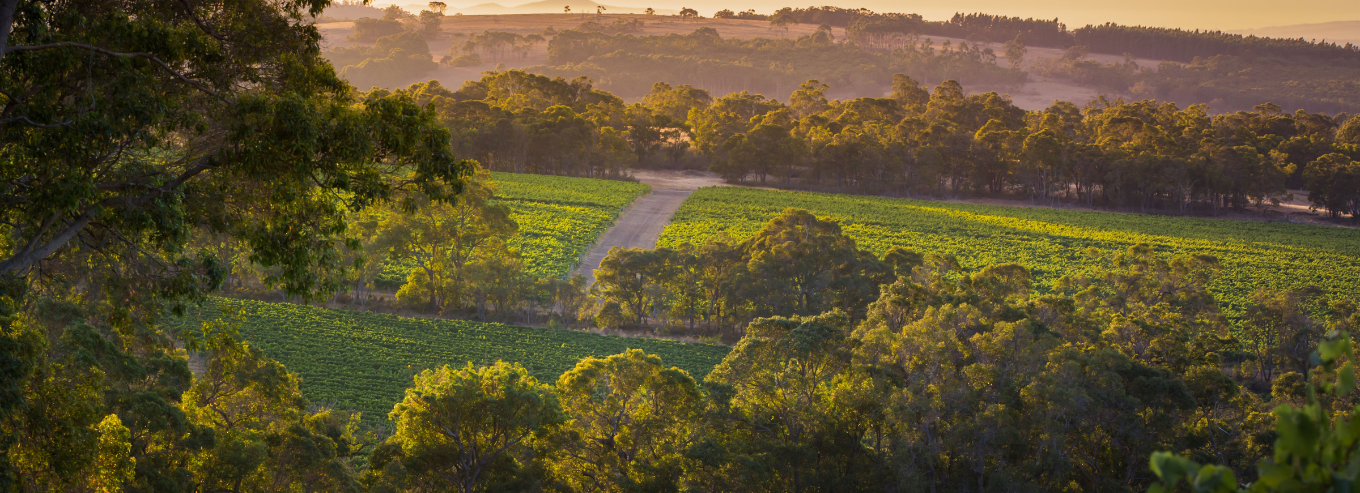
x,y
642,223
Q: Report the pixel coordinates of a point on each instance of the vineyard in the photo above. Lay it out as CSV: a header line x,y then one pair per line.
x,y
365,361
1051,243
559,218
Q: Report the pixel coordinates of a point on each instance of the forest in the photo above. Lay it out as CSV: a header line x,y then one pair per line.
x,y
942,142
141,136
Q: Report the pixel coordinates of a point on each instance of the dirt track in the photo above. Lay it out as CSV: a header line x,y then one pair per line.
x,y
641,225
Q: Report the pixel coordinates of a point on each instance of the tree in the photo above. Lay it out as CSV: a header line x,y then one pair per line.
x,y
124,141
1279,333
264,436
781,19
688,13
649,11
631,277
1041,160
1349,133
907,92
1333,183
1313,447
439,7
796,414
809,99
676,102
214,149
442,239
430,21
630,422
566,9
469,428
806,265
368,30
1015,51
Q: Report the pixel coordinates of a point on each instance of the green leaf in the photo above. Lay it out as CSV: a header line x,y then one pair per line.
x,y
1213,478
1272,474
1329,351
1170,468
1345,379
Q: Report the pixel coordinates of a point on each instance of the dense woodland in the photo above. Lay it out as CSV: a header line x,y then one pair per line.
x,y
128,144
1143,156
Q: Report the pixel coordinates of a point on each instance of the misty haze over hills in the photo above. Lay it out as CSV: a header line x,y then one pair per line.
x,y
1336,31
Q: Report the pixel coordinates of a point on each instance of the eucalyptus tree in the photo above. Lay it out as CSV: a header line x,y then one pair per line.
x,y
127,127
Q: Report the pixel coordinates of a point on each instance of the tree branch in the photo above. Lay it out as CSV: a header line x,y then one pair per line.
x,y
32,253
24,260
96,49
189,10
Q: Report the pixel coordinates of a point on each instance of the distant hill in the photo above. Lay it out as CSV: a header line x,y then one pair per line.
x,y
1337,32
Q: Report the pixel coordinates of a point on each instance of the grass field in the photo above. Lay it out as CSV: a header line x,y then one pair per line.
x,y
365,361
1049,242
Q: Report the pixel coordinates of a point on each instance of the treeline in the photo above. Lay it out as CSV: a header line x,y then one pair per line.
x,y
1110,38
1141,155
1180,45
526,123
628,65
1129,155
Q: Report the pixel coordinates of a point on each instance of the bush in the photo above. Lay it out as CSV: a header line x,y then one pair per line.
x,y
368,30
468,60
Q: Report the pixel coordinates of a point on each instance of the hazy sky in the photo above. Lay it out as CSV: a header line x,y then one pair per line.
x,y
1191,14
